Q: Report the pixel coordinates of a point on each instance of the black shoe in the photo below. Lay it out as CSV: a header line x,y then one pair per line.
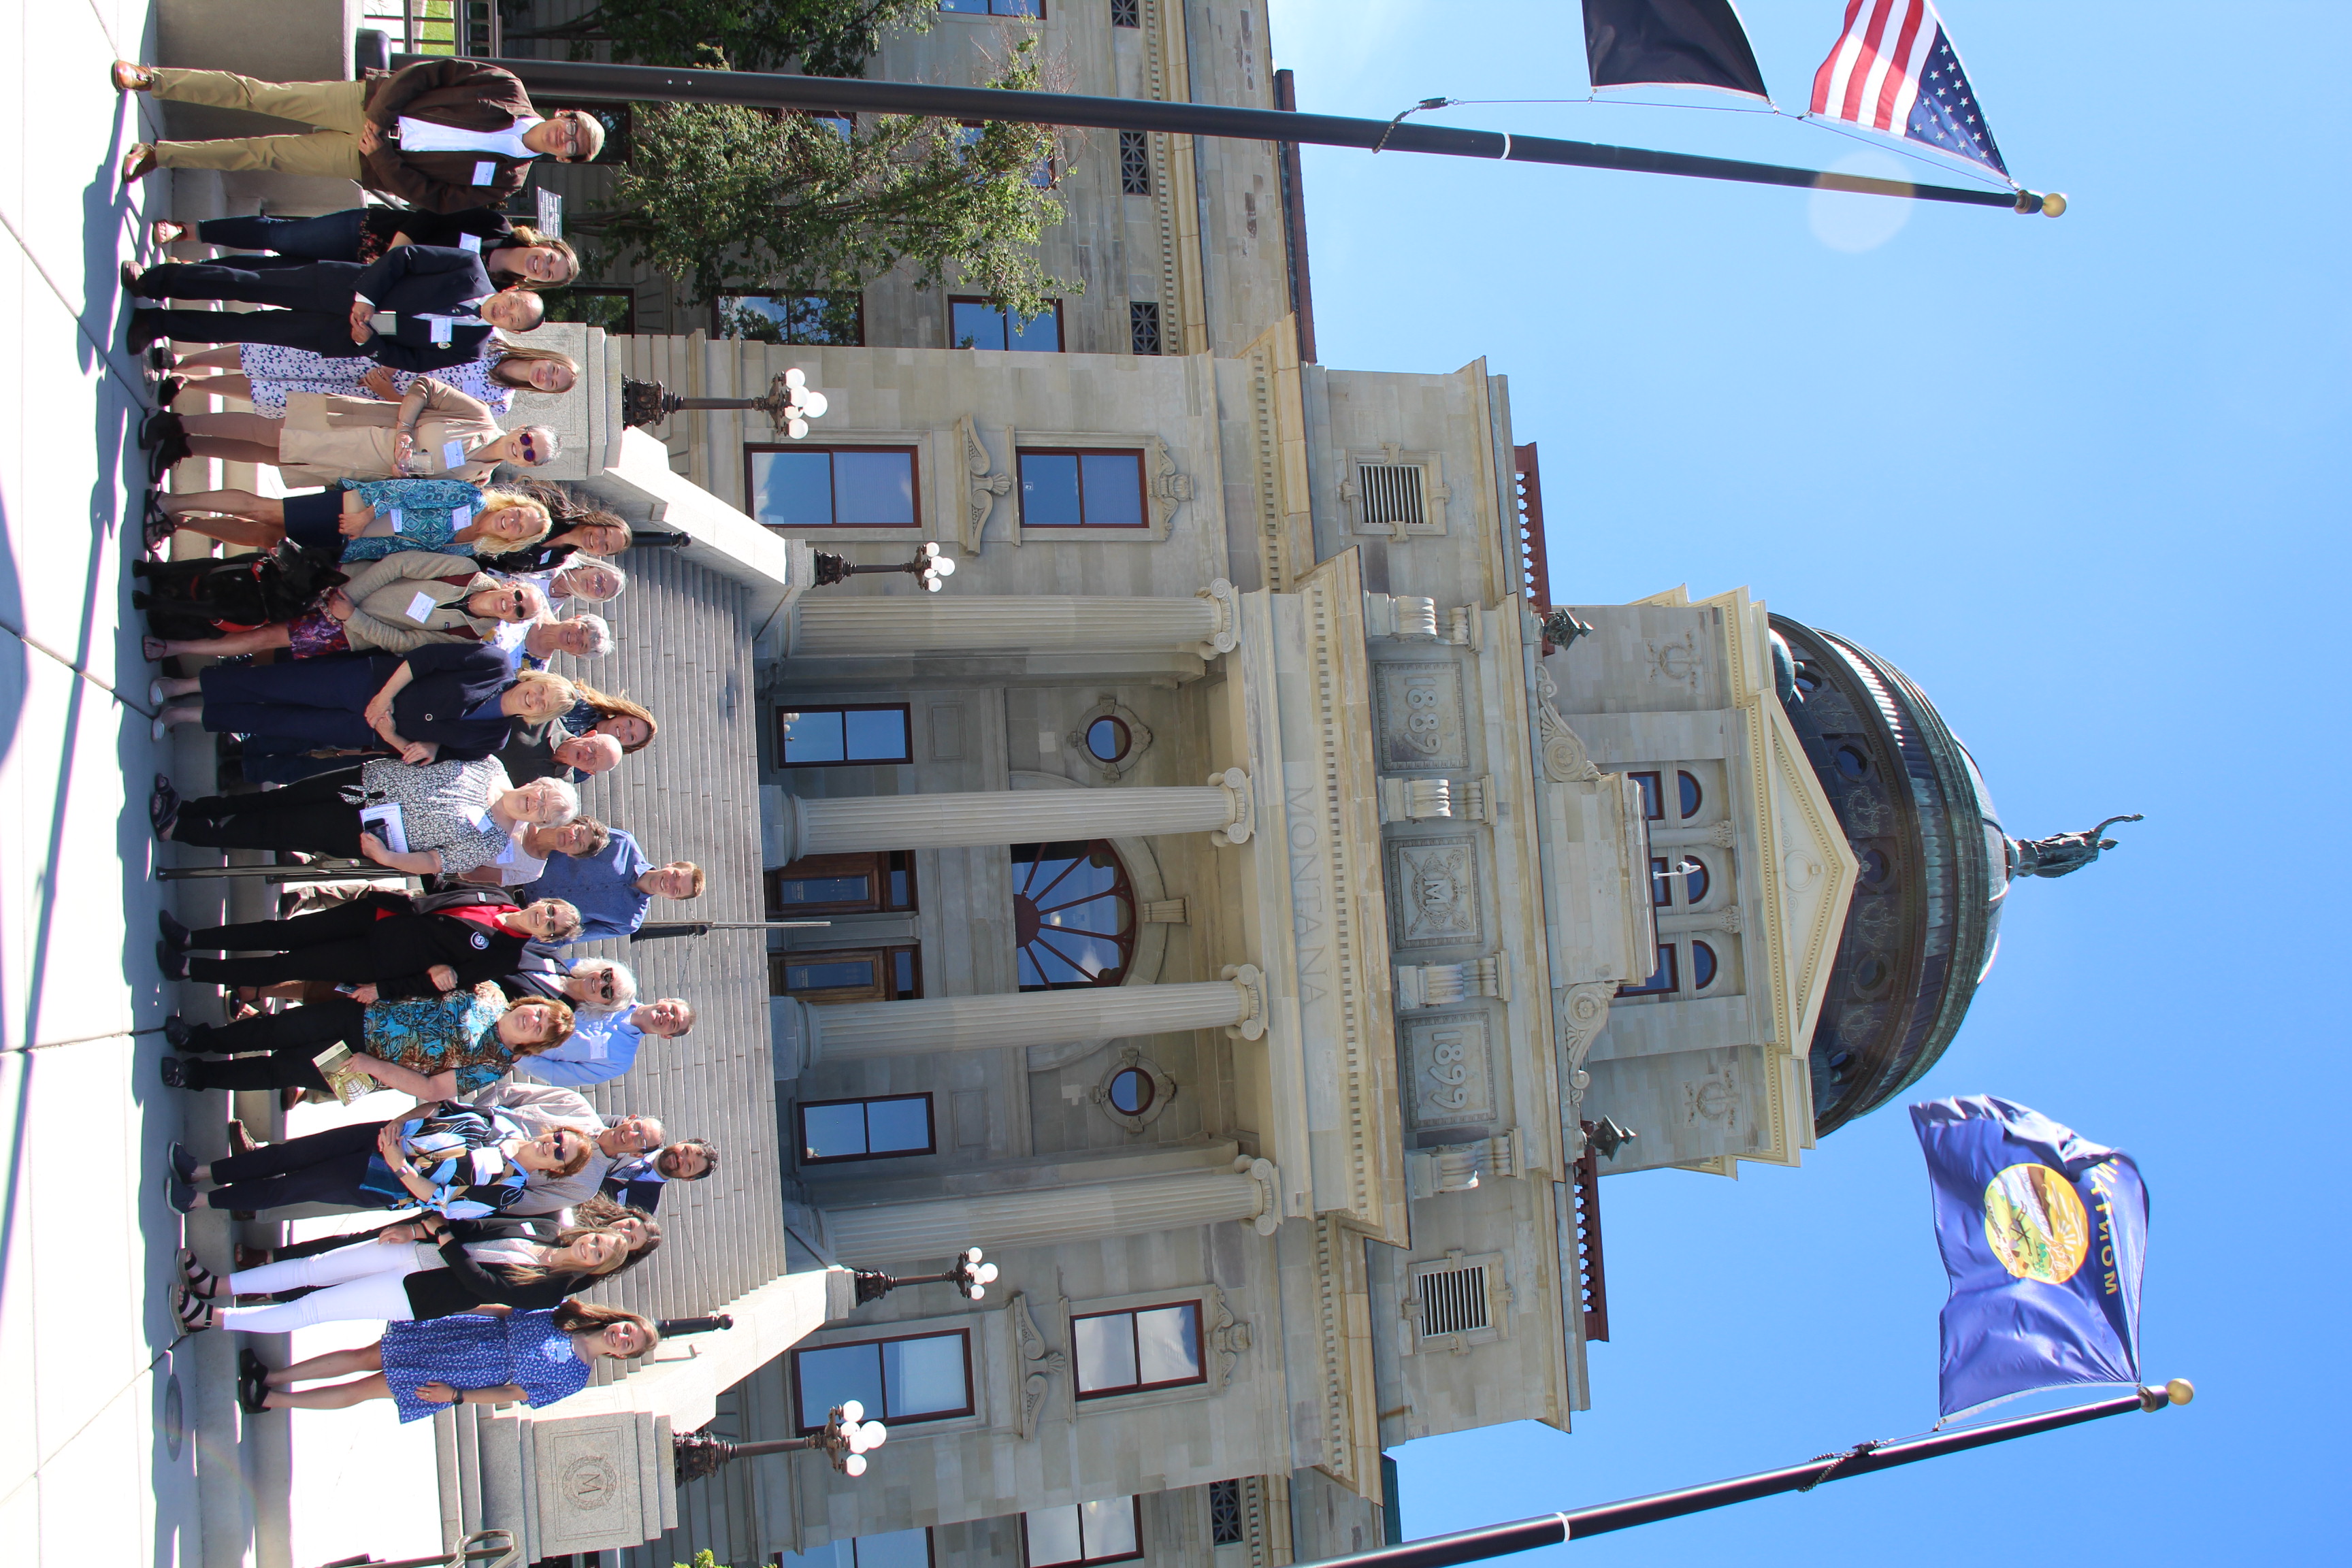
x,y
167,456
174,929
183,1164
252,1382
160,427
175,1075
171,960
161,358
178,1193
145,331
162,808
179,1033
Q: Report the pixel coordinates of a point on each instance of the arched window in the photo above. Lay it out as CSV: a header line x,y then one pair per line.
x,y
1702,966
1073,915
1852,762
1694,880
1108,739
1692,793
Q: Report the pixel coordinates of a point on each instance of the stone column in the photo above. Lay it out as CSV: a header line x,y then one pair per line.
x,y
830,627
874,1235
832,826
855,1030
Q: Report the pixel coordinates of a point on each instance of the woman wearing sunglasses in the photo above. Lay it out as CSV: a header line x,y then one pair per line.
x,y
434,432
470,1359
267,374
362,520
397,605
436,1275
593,987
430,1048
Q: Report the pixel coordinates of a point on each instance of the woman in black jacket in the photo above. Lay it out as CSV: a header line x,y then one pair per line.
x,y
442,702
364,234
402,1281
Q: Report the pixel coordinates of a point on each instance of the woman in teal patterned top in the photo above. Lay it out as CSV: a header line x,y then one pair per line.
x,y
446,516
434,1048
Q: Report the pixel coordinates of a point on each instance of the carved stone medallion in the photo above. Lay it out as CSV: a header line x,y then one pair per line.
x,y
1433,895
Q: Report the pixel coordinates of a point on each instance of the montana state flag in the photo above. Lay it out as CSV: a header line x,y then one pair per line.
x,y
2043,1235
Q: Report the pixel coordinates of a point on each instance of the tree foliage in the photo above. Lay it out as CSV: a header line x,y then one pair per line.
x,y
823,38
724,199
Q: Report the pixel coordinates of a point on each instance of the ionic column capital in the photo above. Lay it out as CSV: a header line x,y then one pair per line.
x,y
1227,636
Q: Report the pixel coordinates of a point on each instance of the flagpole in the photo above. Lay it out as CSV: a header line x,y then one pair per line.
x,y
856,95
1526,1534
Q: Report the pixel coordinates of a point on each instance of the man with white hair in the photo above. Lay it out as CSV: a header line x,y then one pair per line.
x,y
604,1046
595,987
530,645
587,579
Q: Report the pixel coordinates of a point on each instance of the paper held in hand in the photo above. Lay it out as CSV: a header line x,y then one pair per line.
x,y
384,821
346,1082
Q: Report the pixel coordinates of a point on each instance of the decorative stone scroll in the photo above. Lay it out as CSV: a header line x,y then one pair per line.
x,y
1037,1362
981,488
1579,1012
1565,759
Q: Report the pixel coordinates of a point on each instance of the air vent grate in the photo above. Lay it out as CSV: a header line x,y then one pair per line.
x,y
1454,1302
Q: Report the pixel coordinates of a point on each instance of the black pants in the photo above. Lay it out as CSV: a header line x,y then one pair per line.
x,y
322,1168
310,816
343,944
291,1038
335,236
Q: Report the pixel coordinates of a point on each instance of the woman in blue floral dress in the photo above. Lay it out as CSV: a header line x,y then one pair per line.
x,y
428,1047
536,1357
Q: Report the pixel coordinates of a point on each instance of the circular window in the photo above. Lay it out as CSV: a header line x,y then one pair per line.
x,y
1133,1091
1692,795
1870,974
1702,966
1808,681
1875,867
1108,739
1073,915
1852,764
1694,881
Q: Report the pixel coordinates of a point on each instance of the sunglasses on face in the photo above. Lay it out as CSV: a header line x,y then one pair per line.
x,y
561,1144
520,607
524,445
605,988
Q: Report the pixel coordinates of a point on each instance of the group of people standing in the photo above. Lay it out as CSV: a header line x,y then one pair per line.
x,y
409,717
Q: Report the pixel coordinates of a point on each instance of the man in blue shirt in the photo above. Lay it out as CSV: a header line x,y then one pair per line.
x,y
604,1046
612,890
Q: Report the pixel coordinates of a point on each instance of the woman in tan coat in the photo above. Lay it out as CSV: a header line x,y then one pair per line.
x,y
434,432
393,606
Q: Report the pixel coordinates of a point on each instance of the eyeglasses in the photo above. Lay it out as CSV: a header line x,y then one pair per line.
x,y
606,988
520,607
523,446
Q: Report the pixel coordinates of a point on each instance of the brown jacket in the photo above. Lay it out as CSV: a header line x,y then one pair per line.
x,y
468,94
386,593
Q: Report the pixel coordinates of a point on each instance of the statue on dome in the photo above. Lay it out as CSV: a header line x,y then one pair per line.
x,y
2065,852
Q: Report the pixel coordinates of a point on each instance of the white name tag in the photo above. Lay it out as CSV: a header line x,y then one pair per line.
x,y
397,520
453,454
479,816
485,173
472,242
460,516
440,326
421,609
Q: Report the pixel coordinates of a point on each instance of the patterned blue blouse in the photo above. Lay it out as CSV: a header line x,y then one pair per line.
x,y
427,509
471,1350
455,1147
458,1029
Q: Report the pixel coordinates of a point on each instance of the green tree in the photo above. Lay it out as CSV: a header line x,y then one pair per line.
x,y
824,37
725,199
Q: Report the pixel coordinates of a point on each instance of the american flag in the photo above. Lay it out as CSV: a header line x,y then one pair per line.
x,y
1894,69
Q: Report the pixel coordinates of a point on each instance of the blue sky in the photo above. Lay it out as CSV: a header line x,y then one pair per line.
x,y
2085,480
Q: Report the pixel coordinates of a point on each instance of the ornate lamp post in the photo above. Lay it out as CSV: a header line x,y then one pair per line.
x,y
845,1438
789,404
970,1277
929,567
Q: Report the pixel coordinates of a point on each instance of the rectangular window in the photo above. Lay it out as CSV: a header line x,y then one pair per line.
x,y
613,307
1144,326
976,324
1225,1527
994,7
1452,1300
1653,795
1134,164
1662,881
1110,1531
831,487
834,319
897,1549
839,737
847,974
1128,1353
918,1377
1126,13
1666,979
860,884
1081,488
883,1128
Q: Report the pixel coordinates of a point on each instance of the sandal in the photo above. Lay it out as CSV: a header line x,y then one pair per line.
x,y
202,1283
252,1384
164,231
139,162
163,806
195,1314
129,76
156,525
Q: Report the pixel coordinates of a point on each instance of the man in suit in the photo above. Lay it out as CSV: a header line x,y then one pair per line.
x,y
444,135
420,308
636,1181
